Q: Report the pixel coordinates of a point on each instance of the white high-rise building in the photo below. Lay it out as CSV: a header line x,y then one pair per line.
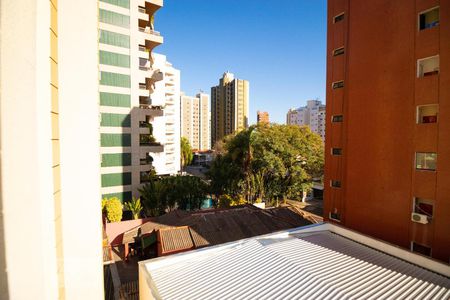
x,y
195,121
166,129
139,93
313,115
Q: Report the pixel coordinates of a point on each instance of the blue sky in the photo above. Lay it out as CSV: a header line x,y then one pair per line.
x,y
277,45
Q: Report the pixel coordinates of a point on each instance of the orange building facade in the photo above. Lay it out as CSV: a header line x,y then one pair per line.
x,y
262,117
387,171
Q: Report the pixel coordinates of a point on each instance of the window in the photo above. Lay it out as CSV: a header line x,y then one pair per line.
x,y
426,161
421,249
337,118
338,51
336,151
427,114
338,84
335,183
423,207
335,215
338,18
428,66
429,18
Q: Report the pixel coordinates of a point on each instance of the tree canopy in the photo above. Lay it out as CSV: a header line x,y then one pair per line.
x,y
268,162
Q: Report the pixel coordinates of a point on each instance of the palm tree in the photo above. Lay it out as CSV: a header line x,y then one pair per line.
x,y
186,152
135,207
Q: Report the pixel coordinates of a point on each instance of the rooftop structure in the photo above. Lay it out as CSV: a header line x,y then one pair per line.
x,y
190,230
316,262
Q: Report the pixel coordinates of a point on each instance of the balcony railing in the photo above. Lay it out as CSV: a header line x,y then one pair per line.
x,y
142,10
148,30
142,86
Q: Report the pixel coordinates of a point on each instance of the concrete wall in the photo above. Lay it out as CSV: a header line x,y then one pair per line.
x,y
30,123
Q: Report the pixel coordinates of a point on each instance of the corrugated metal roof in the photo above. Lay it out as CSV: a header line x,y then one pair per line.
x,y
174,239
220,226
317,265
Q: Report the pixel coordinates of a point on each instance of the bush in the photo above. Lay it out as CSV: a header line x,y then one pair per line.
x,y
113,208
226,201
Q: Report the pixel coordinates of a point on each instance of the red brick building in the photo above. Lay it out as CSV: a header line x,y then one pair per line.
x,y
387,168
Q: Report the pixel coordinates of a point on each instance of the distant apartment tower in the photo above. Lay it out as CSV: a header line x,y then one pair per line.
x,y
195,121
139,99
229,107
387,170
313,115
262,117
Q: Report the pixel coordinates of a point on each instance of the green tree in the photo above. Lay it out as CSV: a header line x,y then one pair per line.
x,y
135,207
192,192
113,208
186,152
154,195
268,162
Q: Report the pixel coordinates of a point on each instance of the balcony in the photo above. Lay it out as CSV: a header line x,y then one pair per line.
x,y
150,38
143,16
170,91
149,143
151,6
156,76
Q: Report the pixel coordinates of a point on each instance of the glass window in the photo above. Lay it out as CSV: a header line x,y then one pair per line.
x,y
423,207
421,249
428,66
337,118
338,18
336,151
427,114
429,19
113,18
338,51
338,84
426,161
335,183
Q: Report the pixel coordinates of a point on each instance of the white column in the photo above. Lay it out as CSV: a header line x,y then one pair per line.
x,y
80,149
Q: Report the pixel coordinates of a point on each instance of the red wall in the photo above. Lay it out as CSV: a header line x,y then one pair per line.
x,y
379,135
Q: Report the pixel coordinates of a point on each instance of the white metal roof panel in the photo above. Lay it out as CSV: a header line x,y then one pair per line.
x,y
319,265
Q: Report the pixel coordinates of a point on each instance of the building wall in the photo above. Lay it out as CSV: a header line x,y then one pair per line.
x,y
44,249
195,124
379,136
229,107
262,117
137,89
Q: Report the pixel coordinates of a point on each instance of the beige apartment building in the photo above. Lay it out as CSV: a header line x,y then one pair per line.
x,y
312,115
50,218
229,107
195,121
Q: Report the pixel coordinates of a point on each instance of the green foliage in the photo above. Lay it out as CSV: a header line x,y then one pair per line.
x,y
113,208
226,201
165,194
268,162
153,194
135,207
186,152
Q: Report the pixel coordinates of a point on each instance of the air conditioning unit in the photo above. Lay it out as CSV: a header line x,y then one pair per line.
x,y
419,218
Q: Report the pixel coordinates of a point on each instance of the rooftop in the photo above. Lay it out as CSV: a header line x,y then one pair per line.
x,y
315,262
217,226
